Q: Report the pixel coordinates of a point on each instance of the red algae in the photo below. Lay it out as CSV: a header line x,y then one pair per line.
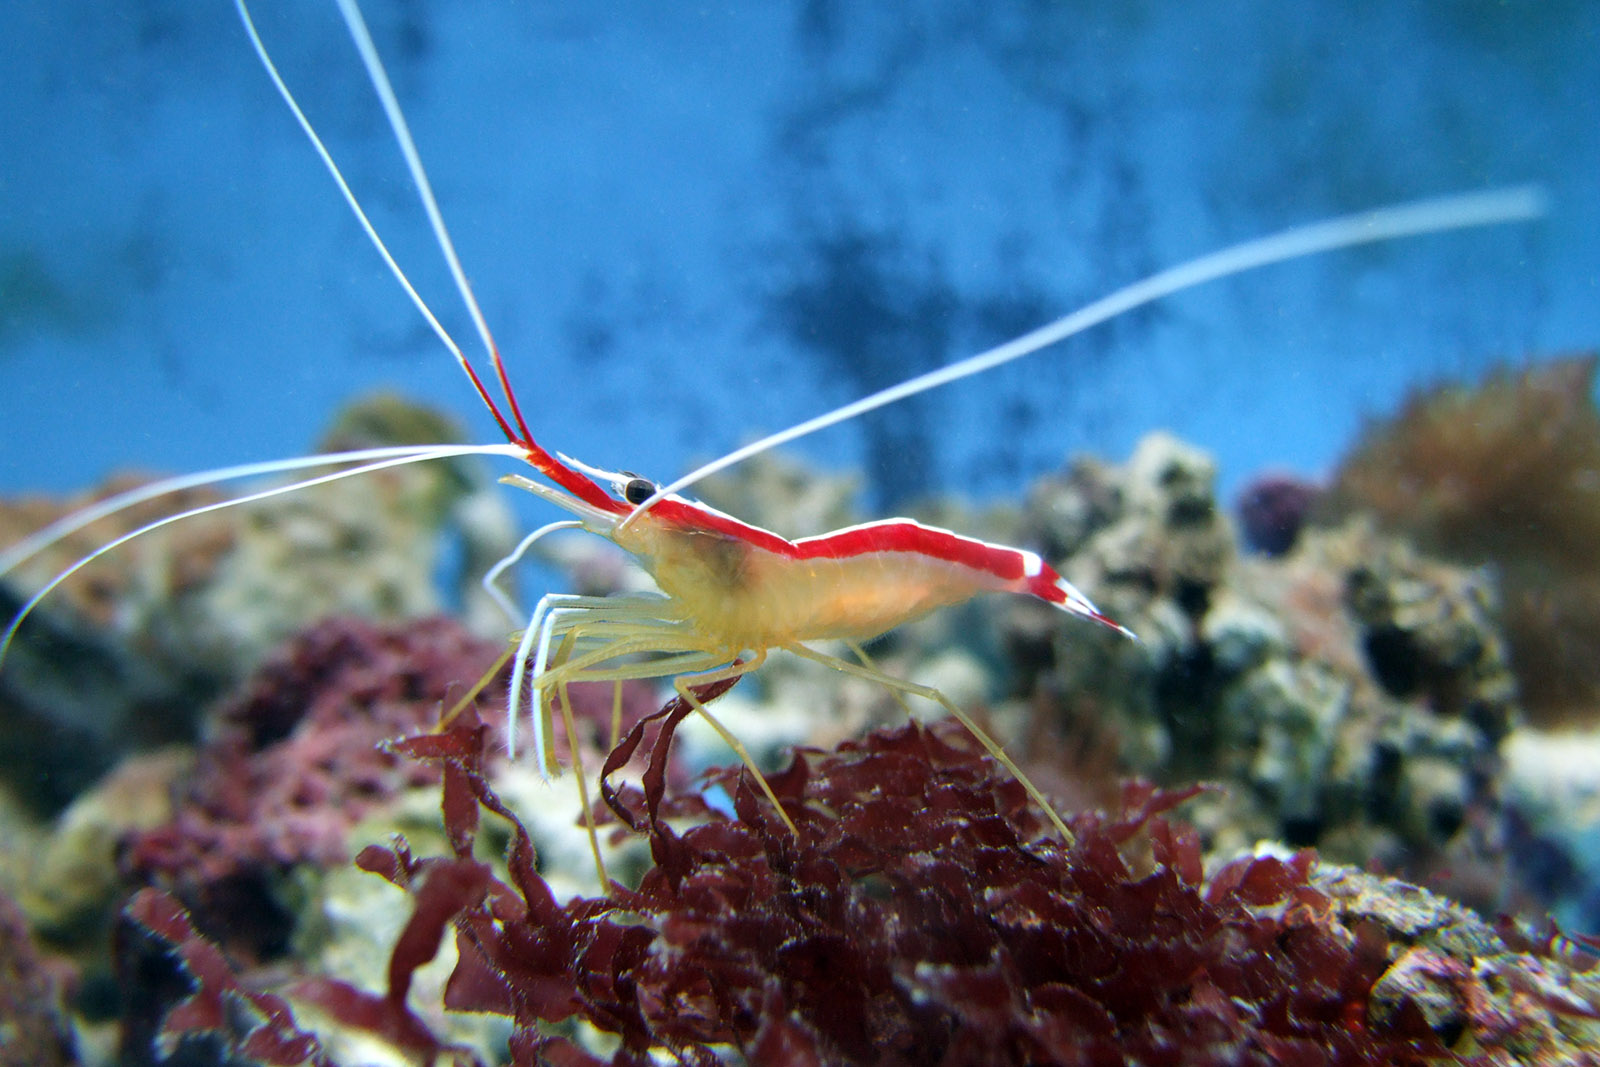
x,y
923,915
924,912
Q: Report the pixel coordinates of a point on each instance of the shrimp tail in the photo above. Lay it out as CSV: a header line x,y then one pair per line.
x,y
1052,588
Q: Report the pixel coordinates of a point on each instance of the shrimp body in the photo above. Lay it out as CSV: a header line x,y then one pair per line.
x,y
729,593
754,589
741,587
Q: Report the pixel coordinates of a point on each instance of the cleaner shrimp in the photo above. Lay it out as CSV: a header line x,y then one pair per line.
x,y
730,594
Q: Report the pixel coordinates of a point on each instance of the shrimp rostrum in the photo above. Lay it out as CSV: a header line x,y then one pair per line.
x,y
729,594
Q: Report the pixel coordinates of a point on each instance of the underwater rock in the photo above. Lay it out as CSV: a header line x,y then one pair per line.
x,y
126,653
1167,536
63,870
86,677
1349,694
1063,509
1429,632
1503,473
1506,995
458,503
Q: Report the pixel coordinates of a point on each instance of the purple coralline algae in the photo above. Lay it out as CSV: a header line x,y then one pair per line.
x,y
33,1025
294,761
1273,508
300,757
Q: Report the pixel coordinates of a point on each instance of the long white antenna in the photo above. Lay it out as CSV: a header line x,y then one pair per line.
x,y
1516,204
419,174
374,459
419,177
70,524
344,186
408,148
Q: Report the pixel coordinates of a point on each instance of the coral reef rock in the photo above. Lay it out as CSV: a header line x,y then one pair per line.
x,y
292,763
1350,694
33,1027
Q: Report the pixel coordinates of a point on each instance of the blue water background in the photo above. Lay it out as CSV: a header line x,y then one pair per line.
x,y
692,223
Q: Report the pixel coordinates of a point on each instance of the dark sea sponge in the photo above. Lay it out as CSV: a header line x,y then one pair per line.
x,y
1505,473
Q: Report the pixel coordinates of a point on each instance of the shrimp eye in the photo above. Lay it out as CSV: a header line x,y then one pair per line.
x,y
638,490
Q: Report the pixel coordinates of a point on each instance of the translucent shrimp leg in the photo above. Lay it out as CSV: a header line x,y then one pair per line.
x,y
688,659
682,683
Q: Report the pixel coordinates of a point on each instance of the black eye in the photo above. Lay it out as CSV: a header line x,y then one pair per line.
x,y
638,490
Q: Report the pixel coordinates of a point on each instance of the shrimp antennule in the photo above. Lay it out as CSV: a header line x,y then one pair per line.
x,y
371,459
515,428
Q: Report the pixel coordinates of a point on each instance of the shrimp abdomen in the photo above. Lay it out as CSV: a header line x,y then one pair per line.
x,y
853,584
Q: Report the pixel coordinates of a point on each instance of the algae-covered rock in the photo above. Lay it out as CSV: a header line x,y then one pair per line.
x,y
1507,995
1503,473
1350,693
33,1028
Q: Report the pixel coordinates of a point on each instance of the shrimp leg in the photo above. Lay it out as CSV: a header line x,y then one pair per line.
x,y
926,692
737,669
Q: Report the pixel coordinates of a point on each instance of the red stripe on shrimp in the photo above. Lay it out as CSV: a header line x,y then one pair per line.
x,y
1015,568
887,535
905,535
